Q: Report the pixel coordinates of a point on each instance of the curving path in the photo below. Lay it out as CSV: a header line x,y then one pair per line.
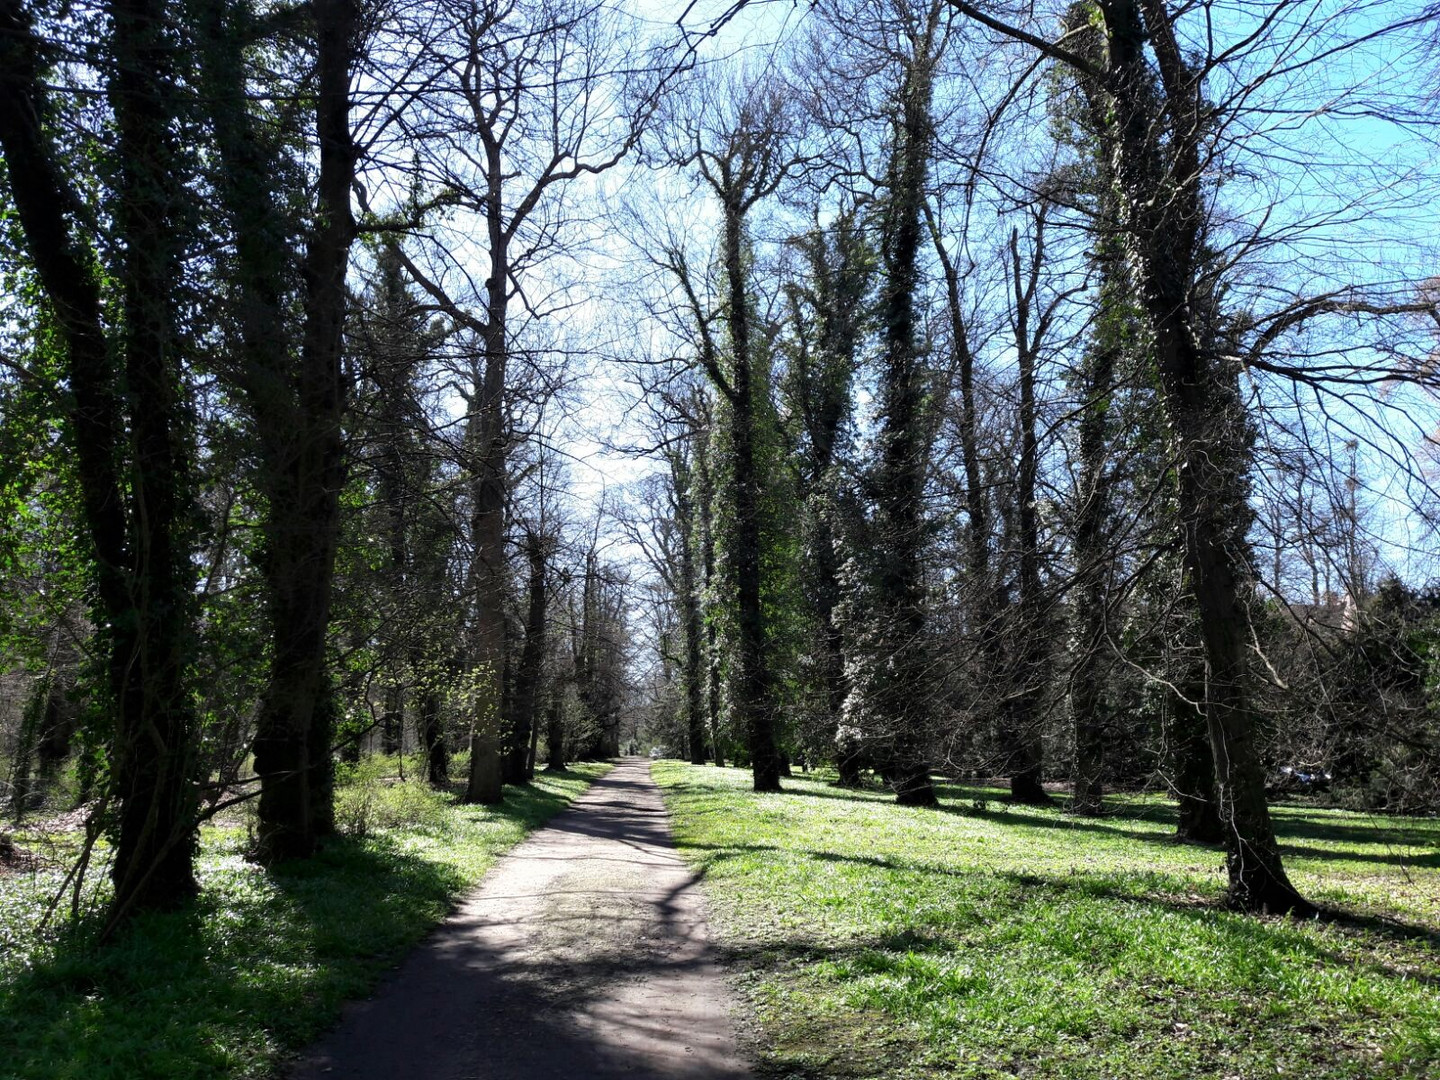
x,y
583,954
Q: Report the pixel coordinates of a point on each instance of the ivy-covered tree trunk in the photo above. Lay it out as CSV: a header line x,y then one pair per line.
x,y
1087,690
754,696
705,526
129,428
1192,761
903,704
831,310
692,628
1090,521
1164,211
487,448
302,483
525,718
295,399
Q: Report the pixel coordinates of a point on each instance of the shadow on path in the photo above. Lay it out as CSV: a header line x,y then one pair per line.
x,y
583,955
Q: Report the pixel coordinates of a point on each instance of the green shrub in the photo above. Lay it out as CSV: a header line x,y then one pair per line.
x,y
371,796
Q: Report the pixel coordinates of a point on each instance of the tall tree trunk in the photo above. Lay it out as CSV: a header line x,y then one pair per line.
x,y
295,727
1023,736
486,433
682,476
755,692
986,599
1092,556
532,661
296,404
393,376
138,525
432,734
1165,209
154,755
821,379
705,506
906,705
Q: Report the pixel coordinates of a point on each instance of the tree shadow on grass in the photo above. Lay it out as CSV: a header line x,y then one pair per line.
x,y
178,994
261,961
1209,916
1427,861
1250,931
1288,828
1243,949
1108,887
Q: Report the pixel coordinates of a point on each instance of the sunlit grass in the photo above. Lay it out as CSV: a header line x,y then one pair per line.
x,y
987,940
261,962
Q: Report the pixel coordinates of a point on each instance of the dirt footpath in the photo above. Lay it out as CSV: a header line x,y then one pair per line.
x,y
583,954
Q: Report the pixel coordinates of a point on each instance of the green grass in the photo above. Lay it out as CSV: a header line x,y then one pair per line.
x,y
877,941
262,961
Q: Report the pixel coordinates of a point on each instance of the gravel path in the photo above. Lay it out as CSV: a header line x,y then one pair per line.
x,y
584,954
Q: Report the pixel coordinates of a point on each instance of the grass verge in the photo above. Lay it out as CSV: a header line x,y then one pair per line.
x,y
261,963
987,940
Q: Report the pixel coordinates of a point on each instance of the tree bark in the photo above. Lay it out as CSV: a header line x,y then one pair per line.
x,y
705,506
1164,205
295,729
754,697
1023,735
297,405
1193,764
690,615
986,599
821,382
905,706
486,434
135,490
1092,512
432,733
532,660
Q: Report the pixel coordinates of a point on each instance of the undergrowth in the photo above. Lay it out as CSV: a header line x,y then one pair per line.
x,y
261,962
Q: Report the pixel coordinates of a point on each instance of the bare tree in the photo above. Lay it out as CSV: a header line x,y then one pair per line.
x,y
521,100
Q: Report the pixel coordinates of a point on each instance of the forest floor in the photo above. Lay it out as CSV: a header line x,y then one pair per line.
x,y
986,940
261,963
583,955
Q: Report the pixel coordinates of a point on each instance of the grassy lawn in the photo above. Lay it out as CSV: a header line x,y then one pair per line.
x,y
262,961
986,940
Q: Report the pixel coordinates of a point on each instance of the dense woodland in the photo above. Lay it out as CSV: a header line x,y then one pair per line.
x,y
895,387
